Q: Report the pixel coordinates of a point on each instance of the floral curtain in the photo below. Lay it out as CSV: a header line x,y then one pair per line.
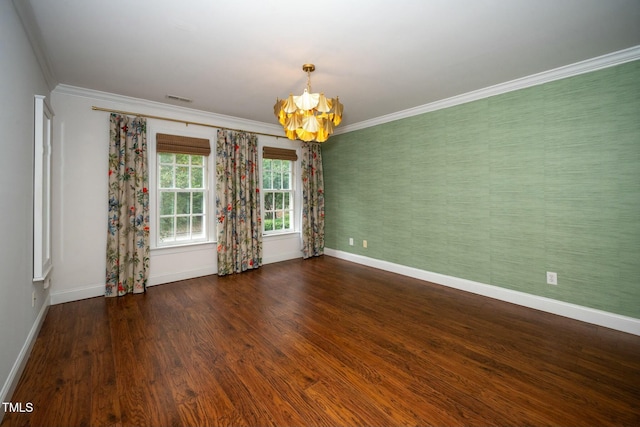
x,y
312,201
238,202
128,231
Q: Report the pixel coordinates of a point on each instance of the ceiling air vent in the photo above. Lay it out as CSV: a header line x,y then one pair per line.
x,y
179,98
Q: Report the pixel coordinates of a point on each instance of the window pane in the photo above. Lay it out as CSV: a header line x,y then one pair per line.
x,y
268,221
183,203
166,157
277,180
197,175
182,214
287,220
166,229
268,201
182,227
166,176
182,176
197,227
277,176
198,203
277,222
266,180
167,203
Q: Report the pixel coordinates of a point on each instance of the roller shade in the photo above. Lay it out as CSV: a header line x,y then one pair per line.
x,y
166,143
279,153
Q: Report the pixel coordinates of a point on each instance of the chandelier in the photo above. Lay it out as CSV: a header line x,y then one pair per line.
x,y
310,116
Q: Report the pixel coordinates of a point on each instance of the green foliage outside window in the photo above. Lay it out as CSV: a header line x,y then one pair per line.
x,y
278,195
181,204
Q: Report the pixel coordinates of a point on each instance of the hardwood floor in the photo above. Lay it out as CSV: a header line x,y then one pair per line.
x,y
323,342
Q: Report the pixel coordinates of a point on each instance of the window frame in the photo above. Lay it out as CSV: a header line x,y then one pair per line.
x,y
154,199
176,190
43,137
273,154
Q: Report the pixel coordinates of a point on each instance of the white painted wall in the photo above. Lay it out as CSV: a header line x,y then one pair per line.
x,y
80,171
20,79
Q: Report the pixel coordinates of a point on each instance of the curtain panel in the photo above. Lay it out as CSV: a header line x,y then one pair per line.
x,y
312,201
128,222
238,202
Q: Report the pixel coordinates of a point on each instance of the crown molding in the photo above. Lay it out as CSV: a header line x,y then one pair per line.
x,y
25,13
121,102
587,66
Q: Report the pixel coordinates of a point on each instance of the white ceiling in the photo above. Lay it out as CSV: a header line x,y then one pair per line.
x,y
379,56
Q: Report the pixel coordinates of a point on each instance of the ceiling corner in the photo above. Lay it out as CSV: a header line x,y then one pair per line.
x,y
26,15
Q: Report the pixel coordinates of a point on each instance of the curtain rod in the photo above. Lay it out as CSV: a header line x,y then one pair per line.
x,y
129,113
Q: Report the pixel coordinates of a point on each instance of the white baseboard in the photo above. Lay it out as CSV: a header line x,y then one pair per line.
x,y
92,291
585,314
181,275
76,294
282,257
16,370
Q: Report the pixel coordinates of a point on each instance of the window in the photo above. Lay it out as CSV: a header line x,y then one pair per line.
x,y
182,191
42,262
277,189
278,195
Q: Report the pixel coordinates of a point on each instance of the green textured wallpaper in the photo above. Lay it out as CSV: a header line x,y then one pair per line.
x,y
503,189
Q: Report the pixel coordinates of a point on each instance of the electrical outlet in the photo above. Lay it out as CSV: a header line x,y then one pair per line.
x,y
364,243
350,241
552,278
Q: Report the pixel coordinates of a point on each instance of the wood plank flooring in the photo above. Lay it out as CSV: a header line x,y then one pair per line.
x,y
323,342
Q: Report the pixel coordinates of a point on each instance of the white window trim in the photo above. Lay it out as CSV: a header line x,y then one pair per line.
x,y
43,129
296,216
206,193
153,193
297,186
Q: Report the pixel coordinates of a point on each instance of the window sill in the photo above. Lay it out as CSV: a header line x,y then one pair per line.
x,y
185,247
279,236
